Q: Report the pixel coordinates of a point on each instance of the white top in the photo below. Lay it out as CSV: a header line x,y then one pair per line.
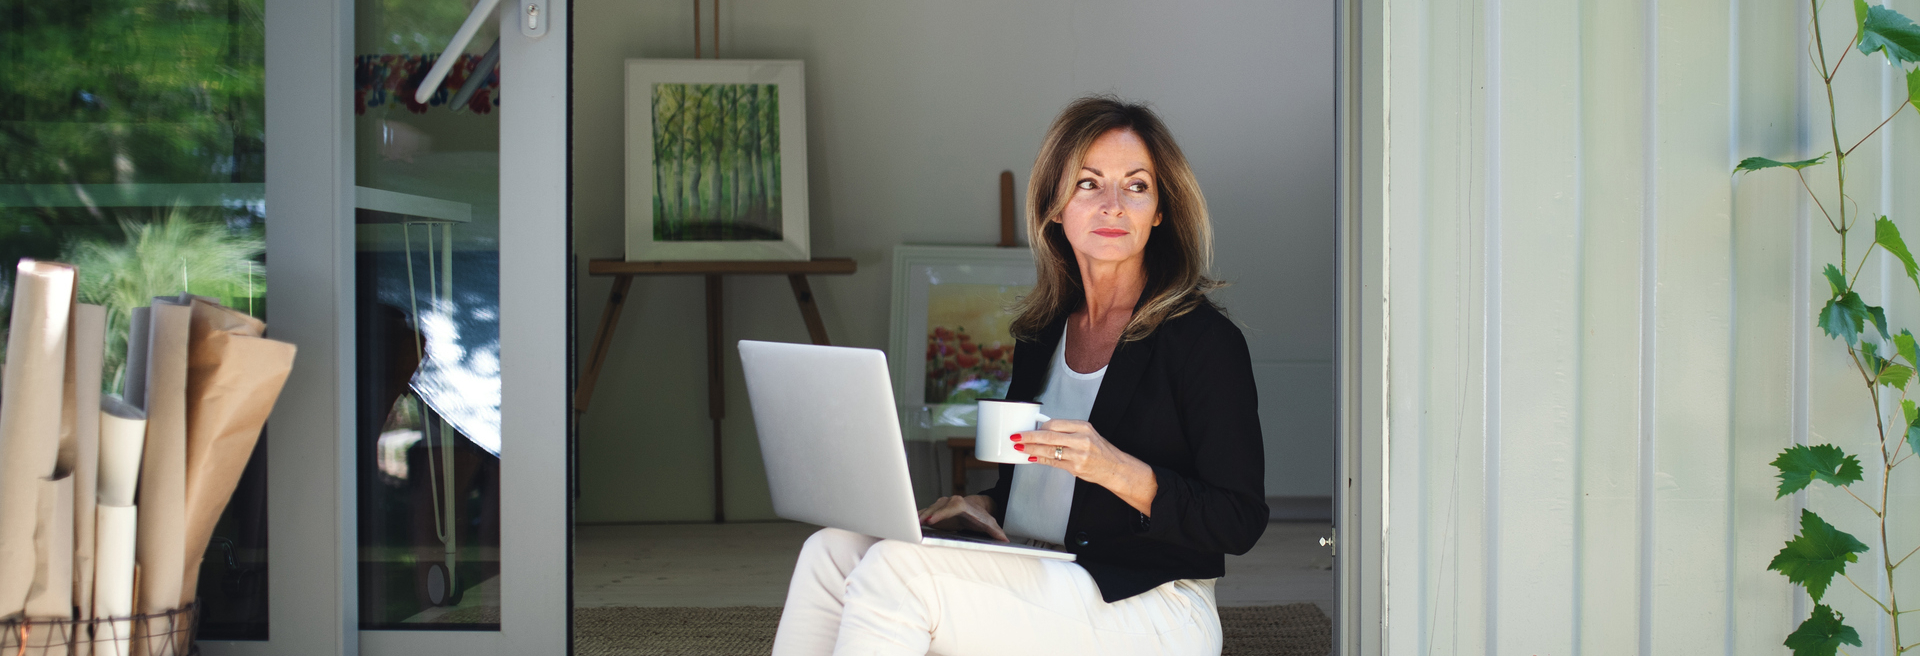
x,y
1042,495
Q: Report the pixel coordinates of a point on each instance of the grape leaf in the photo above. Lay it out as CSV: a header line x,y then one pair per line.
x,y
1859,18
1913,436
1757,163
1822,633
1813,558
1907,408
1894,375
1913,89
1801,465
1889,32
1908,350
1844,316
1879,316
1885,371
1836,280
1887,235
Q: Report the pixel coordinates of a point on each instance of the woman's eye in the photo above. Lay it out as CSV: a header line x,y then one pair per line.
x,y
1137,187
1085,184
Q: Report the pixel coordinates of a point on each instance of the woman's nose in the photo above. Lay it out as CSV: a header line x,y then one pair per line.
x,y
1110,203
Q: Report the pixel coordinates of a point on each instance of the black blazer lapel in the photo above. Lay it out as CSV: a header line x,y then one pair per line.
x,y
1124,370
1031,361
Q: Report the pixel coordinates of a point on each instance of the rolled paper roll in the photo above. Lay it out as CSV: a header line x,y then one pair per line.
x,y
162,551
31,403
123,434
113,578
88,342
51,595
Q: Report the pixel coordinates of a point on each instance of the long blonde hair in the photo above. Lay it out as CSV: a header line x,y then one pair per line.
x,y
1179,252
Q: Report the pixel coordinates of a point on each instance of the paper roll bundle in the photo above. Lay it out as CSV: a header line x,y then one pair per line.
x,y
233,378
161,548
113,579
30,412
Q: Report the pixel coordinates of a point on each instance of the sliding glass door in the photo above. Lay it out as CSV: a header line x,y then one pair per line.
x,y
459,257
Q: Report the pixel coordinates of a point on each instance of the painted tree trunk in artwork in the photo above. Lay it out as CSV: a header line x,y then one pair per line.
x,y
716,154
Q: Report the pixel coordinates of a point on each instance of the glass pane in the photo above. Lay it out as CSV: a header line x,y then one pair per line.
x,y
132,145
428,306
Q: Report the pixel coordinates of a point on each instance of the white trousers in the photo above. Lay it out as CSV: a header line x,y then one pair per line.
x,y
853,594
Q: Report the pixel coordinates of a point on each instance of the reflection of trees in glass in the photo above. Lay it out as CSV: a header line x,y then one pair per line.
x,y
131,91
716,162
126,91
174,253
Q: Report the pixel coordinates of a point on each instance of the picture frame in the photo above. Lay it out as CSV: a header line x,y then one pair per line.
x,y
716,160
939,290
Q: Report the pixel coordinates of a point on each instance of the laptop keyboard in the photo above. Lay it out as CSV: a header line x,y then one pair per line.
x,y
983,538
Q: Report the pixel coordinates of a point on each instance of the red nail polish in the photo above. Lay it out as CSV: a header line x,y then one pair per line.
x,y
1032,459
1019,447
1016,437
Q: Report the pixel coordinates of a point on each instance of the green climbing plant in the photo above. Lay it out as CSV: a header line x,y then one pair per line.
x,y
1886,361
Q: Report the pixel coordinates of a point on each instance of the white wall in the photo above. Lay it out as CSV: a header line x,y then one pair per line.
x,y
1599,338
913,110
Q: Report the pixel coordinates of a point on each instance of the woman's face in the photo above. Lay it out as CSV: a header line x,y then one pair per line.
x,y
1115,201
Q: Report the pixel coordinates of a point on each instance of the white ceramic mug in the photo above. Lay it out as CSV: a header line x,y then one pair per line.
x,y
999,420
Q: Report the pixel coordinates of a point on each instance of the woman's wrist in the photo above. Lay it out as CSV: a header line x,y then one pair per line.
x,y
1133,481
982,501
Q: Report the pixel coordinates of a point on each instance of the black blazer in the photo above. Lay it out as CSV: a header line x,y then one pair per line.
x,y
1182,400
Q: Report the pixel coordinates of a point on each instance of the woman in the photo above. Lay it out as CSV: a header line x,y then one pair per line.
x,y
1150,472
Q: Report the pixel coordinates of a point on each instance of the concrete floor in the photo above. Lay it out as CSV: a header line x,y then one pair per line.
x,y
748,564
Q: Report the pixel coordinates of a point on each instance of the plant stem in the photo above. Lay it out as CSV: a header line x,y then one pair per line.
x,y
1833,126
1862,267
1903,560
1870,597
1896,112
1816,198
1843,55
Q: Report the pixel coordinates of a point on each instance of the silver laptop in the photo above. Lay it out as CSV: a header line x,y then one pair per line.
x,y
830,437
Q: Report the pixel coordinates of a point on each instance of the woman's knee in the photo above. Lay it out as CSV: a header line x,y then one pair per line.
x,y
836,544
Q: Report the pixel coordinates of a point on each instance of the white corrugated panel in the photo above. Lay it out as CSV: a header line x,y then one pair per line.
x,y
1598,338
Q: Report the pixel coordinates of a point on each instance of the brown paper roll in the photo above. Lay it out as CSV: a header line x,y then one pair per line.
x,y
233,378
30,411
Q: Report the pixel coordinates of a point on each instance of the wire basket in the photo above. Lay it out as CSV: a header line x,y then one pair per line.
x,y
168,633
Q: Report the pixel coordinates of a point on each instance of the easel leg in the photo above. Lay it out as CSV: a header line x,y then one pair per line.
x,y
716,392
602,340
803,294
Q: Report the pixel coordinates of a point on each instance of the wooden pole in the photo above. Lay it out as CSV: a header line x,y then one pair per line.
x,y
1006,210
602,340
809,312
716,393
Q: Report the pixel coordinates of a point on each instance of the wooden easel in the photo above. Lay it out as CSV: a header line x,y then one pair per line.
x,y
961,448
623,273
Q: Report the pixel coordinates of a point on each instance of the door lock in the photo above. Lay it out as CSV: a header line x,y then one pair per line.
x,y
1332,542
533,18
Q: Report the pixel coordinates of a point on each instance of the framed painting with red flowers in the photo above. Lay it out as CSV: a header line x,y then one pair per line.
x,y
950,345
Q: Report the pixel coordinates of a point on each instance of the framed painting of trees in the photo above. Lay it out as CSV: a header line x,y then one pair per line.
x,y
716,160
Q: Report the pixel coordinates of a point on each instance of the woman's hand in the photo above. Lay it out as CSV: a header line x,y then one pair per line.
x,y
1076,447
958,513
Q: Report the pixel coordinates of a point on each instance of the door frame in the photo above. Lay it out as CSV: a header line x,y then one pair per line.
x,y
1361,489
312,554
536,528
